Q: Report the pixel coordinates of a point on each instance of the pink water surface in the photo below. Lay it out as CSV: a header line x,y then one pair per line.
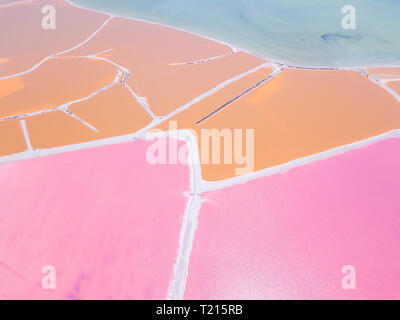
x,y
288,236
108,222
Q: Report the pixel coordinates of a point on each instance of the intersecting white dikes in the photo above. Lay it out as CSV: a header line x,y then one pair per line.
x,y
198,186
64,107
142,100
204,60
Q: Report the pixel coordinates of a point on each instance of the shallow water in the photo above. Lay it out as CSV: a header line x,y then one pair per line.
x,y
306,32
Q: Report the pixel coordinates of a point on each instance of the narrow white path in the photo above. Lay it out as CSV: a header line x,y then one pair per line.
x,y
26,135
199,186
73,115
10,4
390,80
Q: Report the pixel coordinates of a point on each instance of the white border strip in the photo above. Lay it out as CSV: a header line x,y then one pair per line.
x,y
26,135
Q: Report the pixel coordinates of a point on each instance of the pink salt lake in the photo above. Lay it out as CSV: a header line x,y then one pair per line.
x,y
104,218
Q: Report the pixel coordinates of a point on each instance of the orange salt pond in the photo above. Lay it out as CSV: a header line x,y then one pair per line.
x,y
55,83
300,113
24,42
155,57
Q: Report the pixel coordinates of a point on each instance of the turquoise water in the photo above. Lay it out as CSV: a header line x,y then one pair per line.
x,y
302,32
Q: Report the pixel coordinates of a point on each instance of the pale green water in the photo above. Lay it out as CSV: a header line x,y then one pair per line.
x,y
302,32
